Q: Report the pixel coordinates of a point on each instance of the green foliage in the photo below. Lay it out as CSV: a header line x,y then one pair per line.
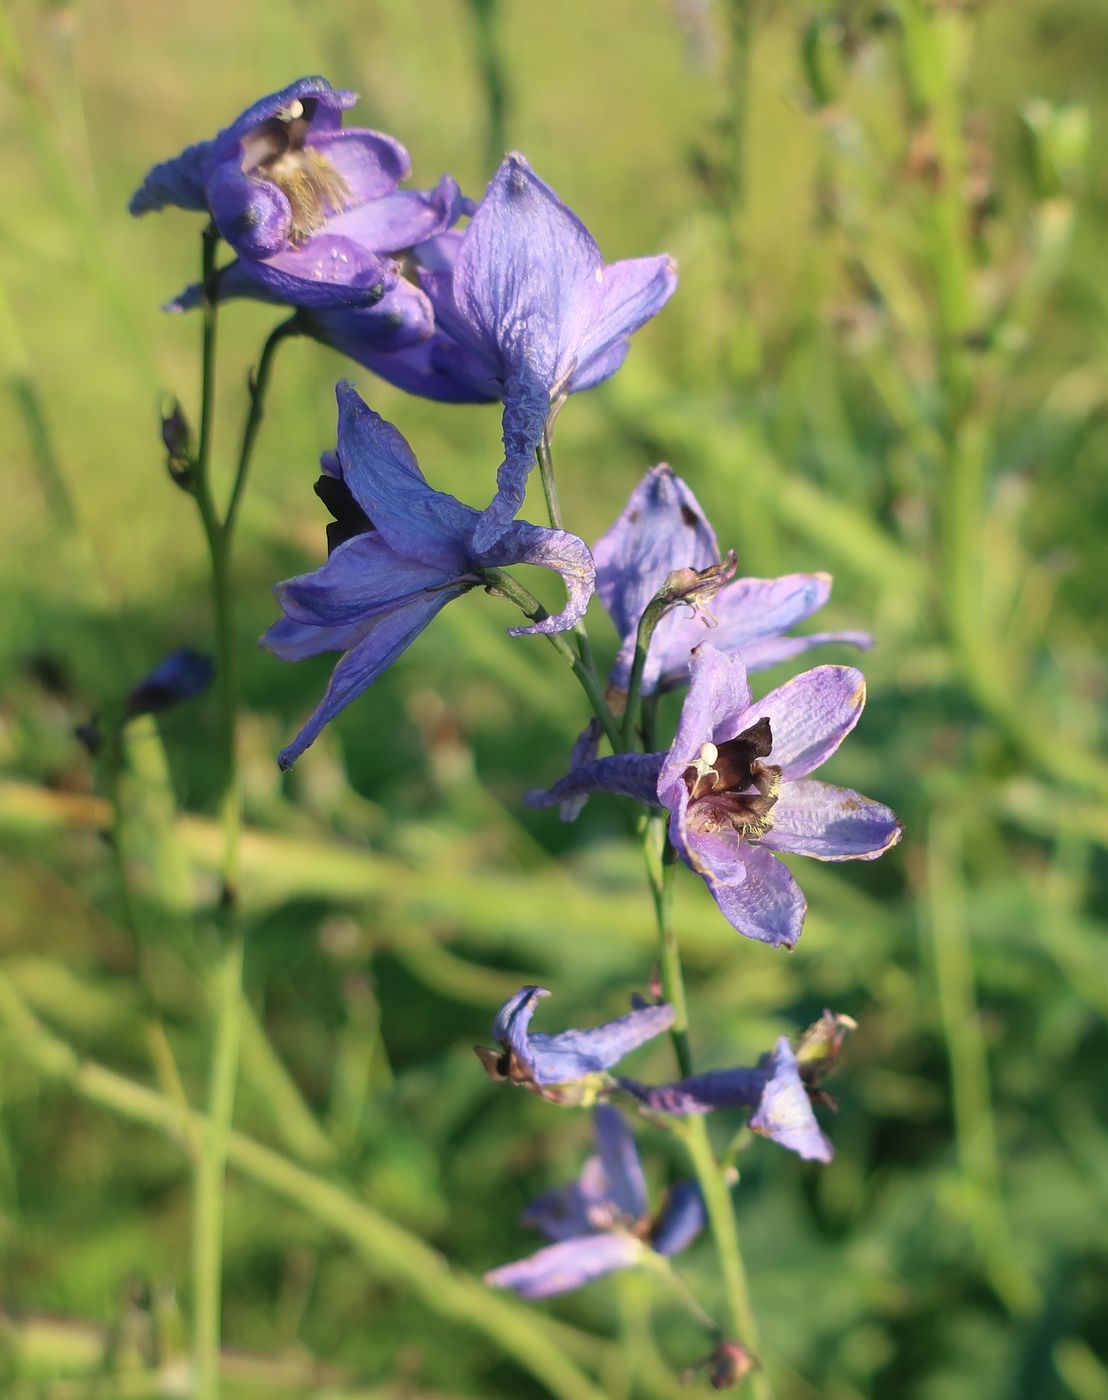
x,y
886,359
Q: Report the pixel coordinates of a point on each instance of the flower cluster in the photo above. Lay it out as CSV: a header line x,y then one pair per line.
x,y
509,300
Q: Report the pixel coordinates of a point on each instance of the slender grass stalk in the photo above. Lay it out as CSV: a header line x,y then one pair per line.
x,y
974,1126
490,58
259,386
694,1132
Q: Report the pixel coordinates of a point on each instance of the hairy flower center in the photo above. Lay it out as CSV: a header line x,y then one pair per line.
x,y
274,150
730,789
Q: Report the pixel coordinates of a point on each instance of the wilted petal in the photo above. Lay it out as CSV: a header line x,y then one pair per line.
x,y
549,549
660,529
383,641
760,899
619,1157
510,1024
627,774
631,292
830,823
682,1219
785,1112
811,715
362,577
562,1267
379,467
526,409
718,696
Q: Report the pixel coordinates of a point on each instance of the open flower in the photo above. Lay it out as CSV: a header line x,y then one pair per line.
x,y
569,1066
736,784
600,1222
311,209
662,531
400,552
527,311
774,1089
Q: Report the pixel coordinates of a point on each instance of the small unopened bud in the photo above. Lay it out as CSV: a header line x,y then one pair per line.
x,y
728,1366
819,1047
180,676
696,586
177,437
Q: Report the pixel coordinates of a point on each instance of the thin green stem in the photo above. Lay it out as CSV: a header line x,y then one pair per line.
x,y
393,1253
652,614
486,21
709,1174
496,580
259,385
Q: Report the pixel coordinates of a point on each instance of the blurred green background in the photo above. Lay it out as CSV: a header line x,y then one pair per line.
x,y
888,358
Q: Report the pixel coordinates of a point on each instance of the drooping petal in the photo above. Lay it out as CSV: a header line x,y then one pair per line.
x,y
325,271
631,292
361,578
401,219
382,642
384,478
569,1264
526,409
627,774
785,1113
296,641
760,899
371,163
660,529
585,749
510,1024
550,549
718,696
810,715
682,1219
760,655
830,823
619,1157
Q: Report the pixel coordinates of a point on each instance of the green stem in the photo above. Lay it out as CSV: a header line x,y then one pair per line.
x,y
259,385
652,614
486,20
501,582
390,1250
709,1173
545,458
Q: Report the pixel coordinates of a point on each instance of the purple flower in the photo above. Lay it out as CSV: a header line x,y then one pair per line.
x,y
570,1059
730,809
661,531
312,210
400,552
527,311
774,1089
599,1222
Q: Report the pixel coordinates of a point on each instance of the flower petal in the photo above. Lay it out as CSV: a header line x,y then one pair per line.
x,y
562,1267
785,1113
619,1157
402,318
810,716
759,898
361,578
295,641
526,410
660,529
414,368
702,1093
631,292
718,696
178,182
510,1024
682,1219
600,367
371,163
628,774
549,549
769,651
830,823
383,641
585,749
401,219
572,1054
253,215
379,467
578,1208
326,271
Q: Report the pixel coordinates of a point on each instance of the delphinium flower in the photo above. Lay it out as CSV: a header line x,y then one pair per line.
x,y
600,1222
526,311
312,211
569,1067
735,782
661,531
400,551
774,1089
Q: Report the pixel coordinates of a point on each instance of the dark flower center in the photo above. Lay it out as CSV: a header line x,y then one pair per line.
x,y
274,150
730,789
350,520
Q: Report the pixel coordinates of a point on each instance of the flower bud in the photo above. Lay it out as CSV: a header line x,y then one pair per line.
x,y
177,437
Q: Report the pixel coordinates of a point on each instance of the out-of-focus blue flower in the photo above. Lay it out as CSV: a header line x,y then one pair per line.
x,y
774,1089
599,1222
564,1067
311,209
730,810
527,311
406,550
181,675
663,531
